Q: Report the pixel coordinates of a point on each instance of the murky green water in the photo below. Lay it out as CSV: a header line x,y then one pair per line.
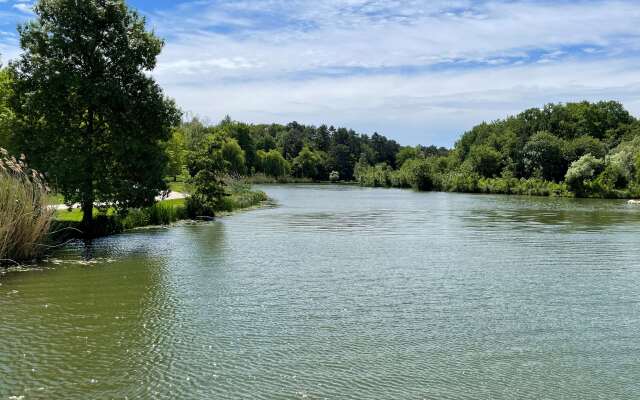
x,y
340,293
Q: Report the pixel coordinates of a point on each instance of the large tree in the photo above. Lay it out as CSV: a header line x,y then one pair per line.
x,y
88,112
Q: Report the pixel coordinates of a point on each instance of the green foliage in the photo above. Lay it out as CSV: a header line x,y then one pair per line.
x,y
310,164
176,154
543,157
583,145
528,154
240,196
87,110
406,153
233,154
378,175
6,113
206,168
485,160
272,163
581,172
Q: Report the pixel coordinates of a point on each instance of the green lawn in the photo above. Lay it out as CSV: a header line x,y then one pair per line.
x,y
75,215
180,186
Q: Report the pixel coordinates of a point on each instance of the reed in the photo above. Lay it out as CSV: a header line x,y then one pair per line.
x,y
25,215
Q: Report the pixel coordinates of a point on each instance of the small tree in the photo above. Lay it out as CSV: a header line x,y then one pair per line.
x,y
176,154
233,154
273,164
581,172
485,160
206,168
6,114
543,157
307,164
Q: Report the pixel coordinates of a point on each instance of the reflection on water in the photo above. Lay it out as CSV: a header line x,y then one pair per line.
x,y
339,292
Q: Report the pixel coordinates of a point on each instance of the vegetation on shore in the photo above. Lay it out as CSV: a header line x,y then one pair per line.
x,y
575,149
25,215
81,103
237,196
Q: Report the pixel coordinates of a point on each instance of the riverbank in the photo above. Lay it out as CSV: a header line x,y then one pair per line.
x,y
66,225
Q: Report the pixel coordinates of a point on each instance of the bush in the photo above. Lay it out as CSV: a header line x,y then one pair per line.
x,y
485,160
25,215
334,176
544,158
581,172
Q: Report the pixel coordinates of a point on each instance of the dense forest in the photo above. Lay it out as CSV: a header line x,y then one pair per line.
x,y
290,151
575,149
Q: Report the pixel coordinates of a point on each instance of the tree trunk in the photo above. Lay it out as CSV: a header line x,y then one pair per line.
x,y
88,197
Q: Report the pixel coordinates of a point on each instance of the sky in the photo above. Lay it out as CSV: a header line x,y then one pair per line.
x,y
420,72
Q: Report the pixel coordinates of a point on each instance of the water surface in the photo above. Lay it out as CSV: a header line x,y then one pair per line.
x,y
340,293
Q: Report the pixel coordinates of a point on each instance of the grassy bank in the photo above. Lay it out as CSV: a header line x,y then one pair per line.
x,y
66,223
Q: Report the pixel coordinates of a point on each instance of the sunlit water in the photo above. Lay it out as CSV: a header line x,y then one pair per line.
x,y
340,293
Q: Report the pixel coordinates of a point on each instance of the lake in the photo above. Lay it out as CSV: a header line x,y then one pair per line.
x,y
339,292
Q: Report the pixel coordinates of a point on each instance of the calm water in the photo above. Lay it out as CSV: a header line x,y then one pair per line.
x,y
340,293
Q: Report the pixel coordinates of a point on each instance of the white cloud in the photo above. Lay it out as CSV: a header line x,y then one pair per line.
x,y
409,81
415,70
430,108
24,7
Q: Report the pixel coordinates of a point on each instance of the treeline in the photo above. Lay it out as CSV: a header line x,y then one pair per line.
x,y
574,149
290,151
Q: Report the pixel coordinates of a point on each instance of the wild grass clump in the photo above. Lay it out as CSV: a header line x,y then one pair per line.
x,y
25,215
240,195
161,213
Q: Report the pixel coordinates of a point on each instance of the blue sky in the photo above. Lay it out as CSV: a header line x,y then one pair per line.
x,y
416,71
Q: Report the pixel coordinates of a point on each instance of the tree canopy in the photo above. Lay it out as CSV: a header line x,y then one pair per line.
x,y
87,111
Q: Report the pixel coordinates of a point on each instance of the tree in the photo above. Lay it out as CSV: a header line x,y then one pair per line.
x,y
406,153
242,133
273,164
206,168
86,107
195,134
581,172
341,161
176,154
307,164
583,145
233,154
6,114
485,160
543,157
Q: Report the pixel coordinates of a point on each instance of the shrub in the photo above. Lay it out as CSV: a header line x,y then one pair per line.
x,y
25,215
581,172
334,176
485,160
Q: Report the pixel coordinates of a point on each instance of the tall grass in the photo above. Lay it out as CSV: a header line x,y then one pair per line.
x,y
240,195
25,215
